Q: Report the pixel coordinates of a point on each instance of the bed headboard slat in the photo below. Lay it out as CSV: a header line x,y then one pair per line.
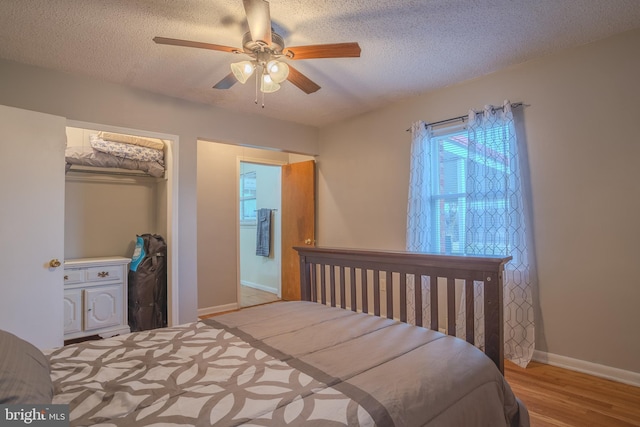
x,y
469,311
393,272
434,303
451,306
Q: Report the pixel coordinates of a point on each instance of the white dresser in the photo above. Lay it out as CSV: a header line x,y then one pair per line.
x,y
95,297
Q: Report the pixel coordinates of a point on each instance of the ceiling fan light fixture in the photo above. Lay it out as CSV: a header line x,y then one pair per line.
x,y
267,85
242,70
265,48
279,71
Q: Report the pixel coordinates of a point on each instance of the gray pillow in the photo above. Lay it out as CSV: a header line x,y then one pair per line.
x,y
24,372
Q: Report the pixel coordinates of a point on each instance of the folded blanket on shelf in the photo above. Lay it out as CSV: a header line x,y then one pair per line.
x,y
89,157
127,151
154,143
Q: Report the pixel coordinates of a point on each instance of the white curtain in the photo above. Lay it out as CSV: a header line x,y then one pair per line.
x,y
419,211
419,208
496,218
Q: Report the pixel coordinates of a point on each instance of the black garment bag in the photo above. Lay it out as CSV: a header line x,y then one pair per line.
x,y
148,284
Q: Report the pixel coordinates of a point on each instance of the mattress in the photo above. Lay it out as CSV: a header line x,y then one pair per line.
x,y
284,364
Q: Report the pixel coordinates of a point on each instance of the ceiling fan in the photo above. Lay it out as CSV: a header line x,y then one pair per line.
x,y
266,49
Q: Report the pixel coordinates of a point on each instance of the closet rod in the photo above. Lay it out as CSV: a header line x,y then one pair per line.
x,y
100,172
466,116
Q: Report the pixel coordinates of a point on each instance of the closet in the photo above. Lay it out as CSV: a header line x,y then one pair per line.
x,y
105,208
94,215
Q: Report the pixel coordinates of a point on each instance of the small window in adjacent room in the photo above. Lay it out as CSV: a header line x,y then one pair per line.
x,y
248,198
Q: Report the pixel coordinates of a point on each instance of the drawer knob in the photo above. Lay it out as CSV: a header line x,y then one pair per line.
x,y
55,263
103,274
66,277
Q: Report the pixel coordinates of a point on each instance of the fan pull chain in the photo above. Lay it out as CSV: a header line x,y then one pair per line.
x,y
261,79
256,88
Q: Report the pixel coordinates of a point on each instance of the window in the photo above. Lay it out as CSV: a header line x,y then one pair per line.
x,y
461,197
248,198
466,197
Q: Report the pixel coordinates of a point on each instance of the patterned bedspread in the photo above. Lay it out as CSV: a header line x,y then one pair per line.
x,y
282,364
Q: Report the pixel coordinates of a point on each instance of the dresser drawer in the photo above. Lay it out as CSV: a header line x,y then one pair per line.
x,y
101,274
73,276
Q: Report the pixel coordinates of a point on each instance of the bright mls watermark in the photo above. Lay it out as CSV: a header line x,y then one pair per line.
x,y
34,415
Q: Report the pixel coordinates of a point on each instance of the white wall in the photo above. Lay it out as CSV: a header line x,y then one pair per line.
x,y
102,217
581,132
89,100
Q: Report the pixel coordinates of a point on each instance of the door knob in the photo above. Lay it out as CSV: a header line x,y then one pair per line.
x,y
54,263
307,241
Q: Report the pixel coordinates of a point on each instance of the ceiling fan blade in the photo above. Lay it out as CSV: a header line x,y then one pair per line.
x,y
259,20
227,82
302,81
335,50
200,45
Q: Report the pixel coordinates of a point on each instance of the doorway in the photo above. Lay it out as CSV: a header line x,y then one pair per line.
x,y
259,251
218,230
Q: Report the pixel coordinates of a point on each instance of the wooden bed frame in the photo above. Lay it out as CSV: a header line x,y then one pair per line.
x,y
344,276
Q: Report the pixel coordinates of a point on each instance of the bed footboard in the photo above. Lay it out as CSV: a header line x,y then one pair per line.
x,y
374,281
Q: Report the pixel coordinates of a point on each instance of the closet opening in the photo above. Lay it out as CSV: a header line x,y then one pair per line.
x,y
119,184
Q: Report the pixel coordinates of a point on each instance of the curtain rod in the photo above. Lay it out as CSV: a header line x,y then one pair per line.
x,y
463,118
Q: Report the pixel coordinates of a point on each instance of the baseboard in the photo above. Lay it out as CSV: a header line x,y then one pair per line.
x,y
259,287
217,309
595,369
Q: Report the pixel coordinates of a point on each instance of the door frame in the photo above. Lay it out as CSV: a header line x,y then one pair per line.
x,y
259,161
171,167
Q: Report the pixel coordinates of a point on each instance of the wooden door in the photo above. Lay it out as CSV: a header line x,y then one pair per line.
x,y
298,221
32,225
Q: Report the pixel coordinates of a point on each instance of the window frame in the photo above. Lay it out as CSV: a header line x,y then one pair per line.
x,y
250,217
438,197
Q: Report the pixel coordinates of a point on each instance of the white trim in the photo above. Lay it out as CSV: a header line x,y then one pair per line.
x,y
259,161
171,176
237,210
595,369
217,309
173,289
259,287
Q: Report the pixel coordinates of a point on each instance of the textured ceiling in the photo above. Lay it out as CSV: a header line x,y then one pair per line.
x,y
408,46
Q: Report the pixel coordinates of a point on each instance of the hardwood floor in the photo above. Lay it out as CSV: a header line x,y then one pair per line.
x,y
251,296
248,297
559,397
